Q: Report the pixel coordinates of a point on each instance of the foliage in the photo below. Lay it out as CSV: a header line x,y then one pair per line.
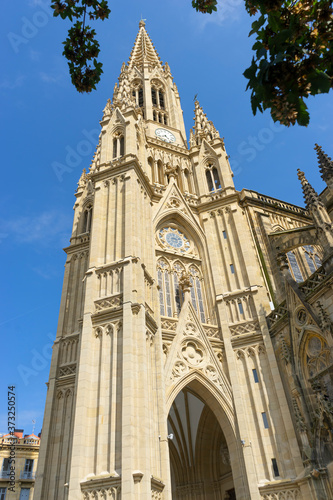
x,y
205,6
293,51
80,47
294,56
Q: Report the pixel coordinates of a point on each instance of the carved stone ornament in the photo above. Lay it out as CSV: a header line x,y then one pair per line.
x,y
108,109
192,353
185,282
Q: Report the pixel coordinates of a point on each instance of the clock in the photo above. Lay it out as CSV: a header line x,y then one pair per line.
x,y
165,135
172,238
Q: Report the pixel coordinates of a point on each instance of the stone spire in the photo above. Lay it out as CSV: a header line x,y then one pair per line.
x,y
321,221
203,128
310,195
143,50
122,95
325,164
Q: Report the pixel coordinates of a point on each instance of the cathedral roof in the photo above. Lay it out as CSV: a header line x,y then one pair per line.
x,y
325,163
143,50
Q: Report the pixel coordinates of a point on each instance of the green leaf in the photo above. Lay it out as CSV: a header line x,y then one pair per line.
x,y
303,117
250,72
256,25
320,82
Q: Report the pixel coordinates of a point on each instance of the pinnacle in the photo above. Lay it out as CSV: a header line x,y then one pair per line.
x,y
310,195
203,128
143,50
325,163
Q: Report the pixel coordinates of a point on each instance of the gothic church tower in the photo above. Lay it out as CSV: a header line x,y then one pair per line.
x,y
164,383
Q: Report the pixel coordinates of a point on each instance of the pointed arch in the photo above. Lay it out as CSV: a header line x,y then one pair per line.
x,y
185,224
196,383
314,352
210,394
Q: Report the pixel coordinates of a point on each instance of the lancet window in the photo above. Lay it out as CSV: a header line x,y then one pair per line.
x,y
196,293
137,93
212,176
294,267
303,261
170,294
86,226
158,102
118,146
312,258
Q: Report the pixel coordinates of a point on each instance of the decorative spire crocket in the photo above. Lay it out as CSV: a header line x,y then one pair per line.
x,y
203,128
325,164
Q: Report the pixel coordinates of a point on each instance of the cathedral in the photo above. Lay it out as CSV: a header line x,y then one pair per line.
x,y
193,356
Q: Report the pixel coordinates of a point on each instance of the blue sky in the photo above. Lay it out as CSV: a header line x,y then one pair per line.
x,y
44,119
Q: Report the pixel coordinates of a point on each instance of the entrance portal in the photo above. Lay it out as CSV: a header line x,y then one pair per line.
x,y
199,456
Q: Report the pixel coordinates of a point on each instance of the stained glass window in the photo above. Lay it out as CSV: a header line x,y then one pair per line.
x,y
294,267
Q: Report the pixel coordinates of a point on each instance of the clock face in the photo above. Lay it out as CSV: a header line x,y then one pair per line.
x,y
172,238
165,135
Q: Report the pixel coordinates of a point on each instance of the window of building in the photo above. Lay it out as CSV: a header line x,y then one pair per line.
x,y
161,99
6,465
25,493
196,293
275,468
170,294
224,234
240,307
5,471
232,269
140,98
86,226
294,267
209,180
255,375
213,179
3,493
264,419
137,93
154,96
118,146
312,258
122,146
217,182
28,468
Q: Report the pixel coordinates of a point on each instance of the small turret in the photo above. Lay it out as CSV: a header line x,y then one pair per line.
x,y
325,165
203,128
310,196
320,218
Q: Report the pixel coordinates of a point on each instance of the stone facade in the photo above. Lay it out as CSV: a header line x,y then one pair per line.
x,y
193,352
18,464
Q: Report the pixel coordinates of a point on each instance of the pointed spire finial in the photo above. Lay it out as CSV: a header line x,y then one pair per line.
x,y
325,163
203,128
310,195
143,50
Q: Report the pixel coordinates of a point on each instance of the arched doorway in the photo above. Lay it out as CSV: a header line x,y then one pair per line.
x,y
199,455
